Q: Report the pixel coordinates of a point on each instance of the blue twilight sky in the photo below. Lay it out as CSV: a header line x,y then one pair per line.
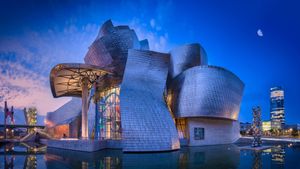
x,y
36,35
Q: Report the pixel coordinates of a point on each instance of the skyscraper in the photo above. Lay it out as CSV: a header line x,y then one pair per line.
x,y
277,108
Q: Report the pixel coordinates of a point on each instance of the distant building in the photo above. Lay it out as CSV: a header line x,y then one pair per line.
x,y
266,125
30,117
244,127
292,126
277,108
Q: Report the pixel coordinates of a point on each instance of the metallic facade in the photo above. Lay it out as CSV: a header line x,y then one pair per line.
x,y
65,120
203,99
65,114
206,91
185,57
147,124
110,48
148,100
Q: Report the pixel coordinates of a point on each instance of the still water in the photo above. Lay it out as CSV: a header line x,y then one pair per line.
x,y
33,156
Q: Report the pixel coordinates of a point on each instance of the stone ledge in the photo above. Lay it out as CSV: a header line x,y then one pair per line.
x,y
84,145
255,148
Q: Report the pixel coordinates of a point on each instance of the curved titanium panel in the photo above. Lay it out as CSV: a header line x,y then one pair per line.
x,y
106,28
144,44
110,48
185,57
65,114
206,91
147,124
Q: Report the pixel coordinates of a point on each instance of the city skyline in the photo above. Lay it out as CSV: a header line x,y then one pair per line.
x,y
256,40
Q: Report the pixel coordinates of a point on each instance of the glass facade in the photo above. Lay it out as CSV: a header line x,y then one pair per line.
x,y
277,108
109,120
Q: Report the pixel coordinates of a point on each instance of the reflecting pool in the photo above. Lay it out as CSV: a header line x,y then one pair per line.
x,y
212,157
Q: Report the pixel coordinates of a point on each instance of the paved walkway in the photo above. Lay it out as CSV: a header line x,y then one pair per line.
x,y
294,140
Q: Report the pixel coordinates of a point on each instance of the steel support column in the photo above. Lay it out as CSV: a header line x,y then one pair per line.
x,y
97,118
84,117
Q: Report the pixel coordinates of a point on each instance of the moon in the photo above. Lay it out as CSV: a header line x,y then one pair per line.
x,y
260,33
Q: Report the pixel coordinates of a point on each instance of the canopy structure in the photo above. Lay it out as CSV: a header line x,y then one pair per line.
x,y
74,79
66,79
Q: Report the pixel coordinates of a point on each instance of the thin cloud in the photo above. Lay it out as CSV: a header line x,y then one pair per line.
x,y
157,39
24,88
26,61
152,23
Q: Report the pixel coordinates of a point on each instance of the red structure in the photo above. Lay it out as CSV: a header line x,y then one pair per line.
x,y
9,114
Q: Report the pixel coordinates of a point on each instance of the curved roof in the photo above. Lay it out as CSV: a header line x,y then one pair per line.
x,y
185,57
206,91
65,79
110,48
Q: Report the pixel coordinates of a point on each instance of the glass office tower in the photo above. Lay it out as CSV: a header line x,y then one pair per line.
x,y
277,108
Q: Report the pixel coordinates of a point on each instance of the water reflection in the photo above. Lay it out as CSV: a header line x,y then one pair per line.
x,y
278,157
26,151
33,156
273,158
257,161
30,162
9,162
225,156
106,159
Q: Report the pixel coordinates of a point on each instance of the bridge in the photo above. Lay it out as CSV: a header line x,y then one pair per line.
x,y
12,126
30,136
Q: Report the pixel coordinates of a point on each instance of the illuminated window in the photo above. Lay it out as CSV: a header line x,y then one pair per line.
x,y
181,127
199,133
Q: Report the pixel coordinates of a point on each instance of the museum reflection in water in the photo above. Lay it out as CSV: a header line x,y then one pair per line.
x,y
114,159
213,157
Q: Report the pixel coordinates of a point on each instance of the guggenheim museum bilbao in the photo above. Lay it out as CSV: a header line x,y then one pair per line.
x,y
140,100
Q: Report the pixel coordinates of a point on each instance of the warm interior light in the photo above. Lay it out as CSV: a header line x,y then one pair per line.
x,y
69,139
